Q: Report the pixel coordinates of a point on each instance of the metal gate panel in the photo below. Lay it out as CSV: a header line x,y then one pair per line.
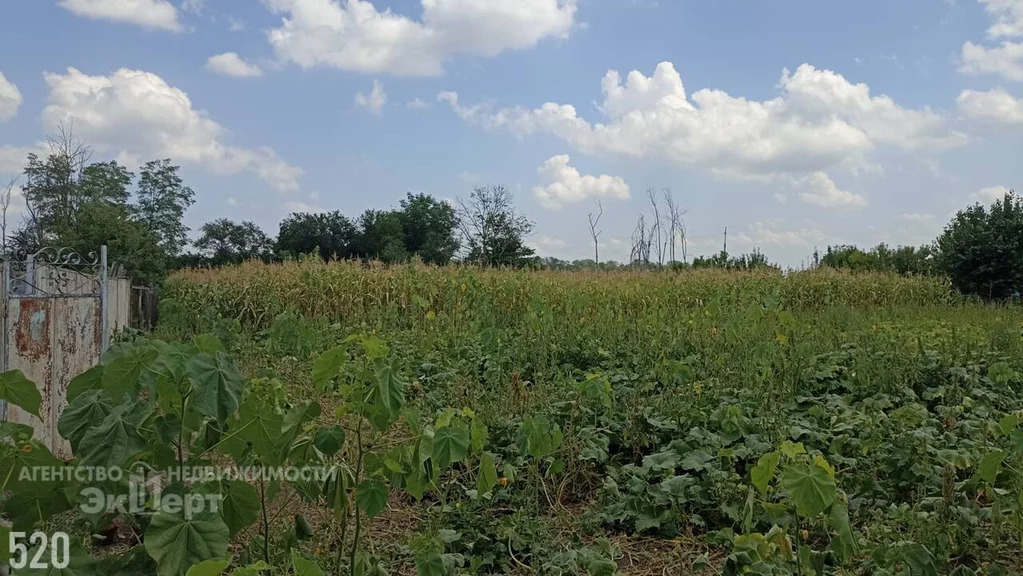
x,y
55,326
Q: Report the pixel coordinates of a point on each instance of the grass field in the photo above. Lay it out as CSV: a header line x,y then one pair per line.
x,y
650,422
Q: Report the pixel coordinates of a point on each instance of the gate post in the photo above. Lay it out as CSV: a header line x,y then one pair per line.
x,y
5,302
103,301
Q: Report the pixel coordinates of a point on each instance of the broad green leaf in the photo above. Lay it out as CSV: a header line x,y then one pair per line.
x,y
123,367
487,478
260,426
217,385
304,567
20,391
91,379
85,413
19,466
80,563
177,543
214,567
329,440
538,437
763,472
371,497
207,343
477,436
450,445
116,440
296,417
258,569
387,396
844,545
328,366
240,505
430,564
792,449
809,487
990,464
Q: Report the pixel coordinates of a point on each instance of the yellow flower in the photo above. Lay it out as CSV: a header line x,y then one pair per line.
x,y
27,448
503,481
464,287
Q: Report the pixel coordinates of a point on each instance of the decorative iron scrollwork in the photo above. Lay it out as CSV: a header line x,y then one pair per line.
x,y
53,271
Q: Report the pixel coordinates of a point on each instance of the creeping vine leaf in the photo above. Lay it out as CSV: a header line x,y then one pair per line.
x,y
82,415
327,366
124,365
91,379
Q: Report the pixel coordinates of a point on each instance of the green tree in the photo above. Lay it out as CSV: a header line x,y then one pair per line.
x,y
429,227
981,249
381,236
225,242
329,233
492,231
162,201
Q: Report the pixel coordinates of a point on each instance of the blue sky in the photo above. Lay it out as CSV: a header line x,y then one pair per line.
x,y
795,124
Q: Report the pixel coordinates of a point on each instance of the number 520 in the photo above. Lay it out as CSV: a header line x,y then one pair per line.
x,y
59,544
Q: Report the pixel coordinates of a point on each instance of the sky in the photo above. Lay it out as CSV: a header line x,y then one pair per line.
x,y
794,124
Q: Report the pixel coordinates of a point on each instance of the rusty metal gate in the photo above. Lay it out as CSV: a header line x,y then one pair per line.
x,y
54,327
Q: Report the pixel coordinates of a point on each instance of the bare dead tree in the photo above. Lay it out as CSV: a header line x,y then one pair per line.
x,y
676,224
594,233
50,183
656,228
640,253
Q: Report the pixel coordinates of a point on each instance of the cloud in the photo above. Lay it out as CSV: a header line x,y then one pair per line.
x,y
374,101
818,122
417,104
761,234
355,35
564,184
1005,60
234,24
230,64
996,108
820,190
149,13
135,114
12,159
10,99
990,194
916,218
303,208
1007,16
469,177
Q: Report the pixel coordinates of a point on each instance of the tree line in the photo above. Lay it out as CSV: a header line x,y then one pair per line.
x,y
71,201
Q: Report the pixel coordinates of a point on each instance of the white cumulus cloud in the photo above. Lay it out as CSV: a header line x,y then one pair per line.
x,y
819,189
230,64
148,13
995,107
10,99
1005,60
564,184
818,122
1007,16
356,35
989,194
374,101
135,114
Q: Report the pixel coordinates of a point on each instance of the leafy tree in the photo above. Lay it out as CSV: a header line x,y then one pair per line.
x,y
981,249
381,236
226,242
162,201
493,232
330,233
429,227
